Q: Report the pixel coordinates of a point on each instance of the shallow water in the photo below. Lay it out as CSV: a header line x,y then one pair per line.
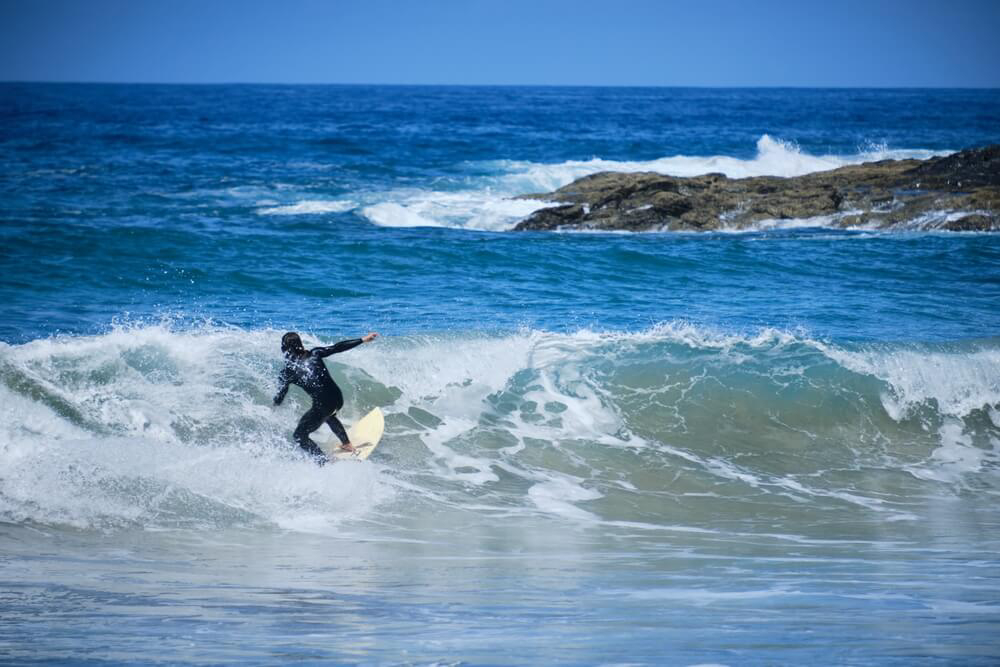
x,y
771,447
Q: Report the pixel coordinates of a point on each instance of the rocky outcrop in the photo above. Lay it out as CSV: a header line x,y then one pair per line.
x,y
959,192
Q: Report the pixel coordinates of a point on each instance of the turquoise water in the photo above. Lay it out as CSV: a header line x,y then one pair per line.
x,y
778,446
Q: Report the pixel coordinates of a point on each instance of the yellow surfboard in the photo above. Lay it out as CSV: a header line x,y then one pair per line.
x,y
364,436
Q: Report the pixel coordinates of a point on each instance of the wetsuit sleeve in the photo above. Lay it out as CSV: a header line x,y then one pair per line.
x,y
342,346
284,381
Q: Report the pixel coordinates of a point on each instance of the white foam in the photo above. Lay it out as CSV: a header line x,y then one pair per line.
x,y
452,465
397,215
774,158
956,382
699,337
560,364
310,207
450,373
119,482
954,458
160,377
488,205
814,222
481,210
153,427
953,383
23,420
557,495
933,220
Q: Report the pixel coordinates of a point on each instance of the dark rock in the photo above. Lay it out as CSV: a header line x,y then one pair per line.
x,y
973,168
877,194
973,223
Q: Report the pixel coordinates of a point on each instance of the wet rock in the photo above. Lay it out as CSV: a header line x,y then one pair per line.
x,y
972,223
885,194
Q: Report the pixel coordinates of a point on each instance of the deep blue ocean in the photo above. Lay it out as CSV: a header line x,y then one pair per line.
x,y
775,446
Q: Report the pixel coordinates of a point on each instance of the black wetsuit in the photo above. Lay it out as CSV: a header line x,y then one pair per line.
x,y
309,372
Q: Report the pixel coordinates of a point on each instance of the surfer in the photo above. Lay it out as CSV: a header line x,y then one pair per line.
x,y
306,369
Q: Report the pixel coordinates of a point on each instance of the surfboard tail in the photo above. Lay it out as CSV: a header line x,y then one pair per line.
x,y
368,431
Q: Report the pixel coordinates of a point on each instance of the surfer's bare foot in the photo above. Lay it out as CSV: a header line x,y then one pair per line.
x,y
347,447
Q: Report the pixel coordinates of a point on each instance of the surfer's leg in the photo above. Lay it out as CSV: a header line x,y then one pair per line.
x,y
337,428
309,422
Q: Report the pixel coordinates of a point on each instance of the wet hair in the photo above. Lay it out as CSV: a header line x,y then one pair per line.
x,y
291,343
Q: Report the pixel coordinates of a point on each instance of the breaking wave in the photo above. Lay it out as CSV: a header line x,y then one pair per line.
x,y
490,207
484,200
678,425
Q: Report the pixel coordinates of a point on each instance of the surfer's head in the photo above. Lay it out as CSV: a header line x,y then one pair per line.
x,y
291,344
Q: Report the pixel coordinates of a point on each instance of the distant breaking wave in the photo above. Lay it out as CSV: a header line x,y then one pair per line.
x,y
774,158
487,204
490,207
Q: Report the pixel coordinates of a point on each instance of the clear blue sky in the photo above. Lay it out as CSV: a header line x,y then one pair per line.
x,y
583,42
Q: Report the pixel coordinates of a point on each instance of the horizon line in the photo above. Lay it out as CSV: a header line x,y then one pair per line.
x,y
491,85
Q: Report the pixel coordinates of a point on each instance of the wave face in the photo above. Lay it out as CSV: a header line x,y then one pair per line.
x,y
676,426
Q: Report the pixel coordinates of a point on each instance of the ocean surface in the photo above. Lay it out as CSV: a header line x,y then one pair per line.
x,y
771,447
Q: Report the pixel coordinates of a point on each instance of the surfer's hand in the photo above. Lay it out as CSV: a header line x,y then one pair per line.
x,y
347,447
369,337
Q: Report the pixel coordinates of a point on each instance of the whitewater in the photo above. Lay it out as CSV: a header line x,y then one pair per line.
x,y
778,446
491,204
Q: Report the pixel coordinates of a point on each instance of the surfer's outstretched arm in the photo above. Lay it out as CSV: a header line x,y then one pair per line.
x,y
343,346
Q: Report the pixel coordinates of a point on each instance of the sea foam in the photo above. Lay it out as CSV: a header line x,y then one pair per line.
x,y
488,205
309,207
